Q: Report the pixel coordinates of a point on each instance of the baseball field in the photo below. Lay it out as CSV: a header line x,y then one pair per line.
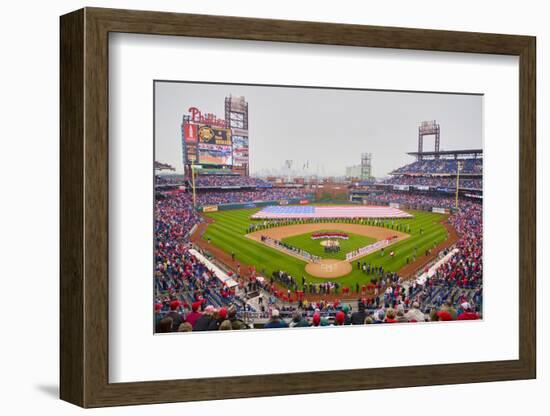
x,y
317,248
228,231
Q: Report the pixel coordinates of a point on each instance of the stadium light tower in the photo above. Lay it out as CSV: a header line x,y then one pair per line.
x,y
428,128
458,169
366,166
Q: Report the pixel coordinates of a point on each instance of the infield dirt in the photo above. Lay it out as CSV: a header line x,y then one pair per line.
x,y
278,233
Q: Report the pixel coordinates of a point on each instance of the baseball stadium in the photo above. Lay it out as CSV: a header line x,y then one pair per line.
x,y
239,251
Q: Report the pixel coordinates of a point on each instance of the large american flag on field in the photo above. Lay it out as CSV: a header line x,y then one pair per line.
x,y
332,211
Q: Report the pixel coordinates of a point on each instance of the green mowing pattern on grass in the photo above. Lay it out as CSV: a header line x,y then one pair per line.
x,y
314,247
229,229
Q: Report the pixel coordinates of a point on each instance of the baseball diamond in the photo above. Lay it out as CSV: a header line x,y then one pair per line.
x,y
229,233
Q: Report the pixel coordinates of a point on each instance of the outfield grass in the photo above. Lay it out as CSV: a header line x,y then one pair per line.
x,y
314,247
229,229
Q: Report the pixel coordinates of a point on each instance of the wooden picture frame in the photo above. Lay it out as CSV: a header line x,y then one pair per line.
x,y
84,207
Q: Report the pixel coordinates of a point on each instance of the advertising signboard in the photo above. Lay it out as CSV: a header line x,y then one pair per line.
x,y
190,133
215,155
209,208
214,135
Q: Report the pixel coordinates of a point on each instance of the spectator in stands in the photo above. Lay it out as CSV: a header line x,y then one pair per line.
x,y
194,314
298,320
218,317
358,318
158,314
165,325
400,315
415,314
232,317
185,327
448,307
390,316
176,315
467,313
225,325
340,318
203,322
276,321
347,316
316,320
443,315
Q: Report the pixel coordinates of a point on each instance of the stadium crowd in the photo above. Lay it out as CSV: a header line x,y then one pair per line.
x,y
174,217
190,297
237,197
412,199
435,181
213,181
442,166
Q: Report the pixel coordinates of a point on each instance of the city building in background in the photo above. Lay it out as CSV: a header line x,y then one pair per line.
x,y
353,172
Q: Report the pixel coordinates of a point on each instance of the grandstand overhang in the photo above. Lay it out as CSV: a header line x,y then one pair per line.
x,y
449,154
163,166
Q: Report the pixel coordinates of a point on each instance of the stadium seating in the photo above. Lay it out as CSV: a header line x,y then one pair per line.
x,y
182,282
442,166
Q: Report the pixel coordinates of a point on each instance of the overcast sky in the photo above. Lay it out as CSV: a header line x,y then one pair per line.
x,y
328,128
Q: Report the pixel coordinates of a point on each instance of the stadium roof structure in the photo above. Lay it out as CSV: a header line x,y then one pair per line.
x,y
467,152
163,166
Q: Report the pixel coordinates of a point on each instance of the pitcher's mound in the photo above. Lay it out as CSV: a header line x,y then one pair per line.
x,y
329,268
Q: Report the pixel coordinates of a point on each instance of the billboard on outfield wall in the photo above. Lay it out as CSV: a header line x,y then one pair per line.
x,y
394,205
209,208
438,210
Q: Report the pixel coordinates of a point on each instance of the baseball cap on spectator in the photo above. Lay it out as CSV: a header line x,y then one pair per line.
x,y
175,304
466,306
158,306
340,317
209,309
196,306
316,319
444,316
223,313
275,313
